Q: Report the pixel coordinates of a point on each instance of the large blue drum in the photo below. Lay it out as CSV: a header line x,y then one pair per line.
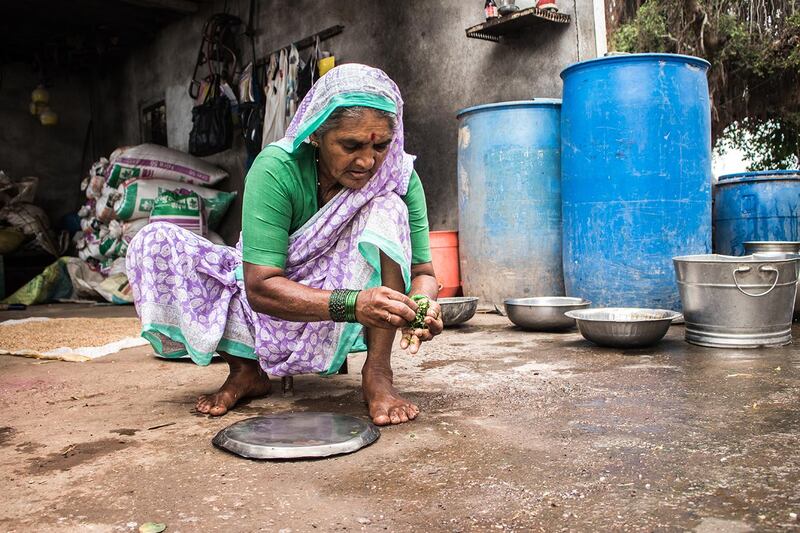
x,y
509,199
756,206
636,176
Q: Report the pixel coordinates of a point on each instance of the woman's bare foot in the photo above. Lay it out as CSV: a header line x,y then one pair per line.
x,y
386,406
246,380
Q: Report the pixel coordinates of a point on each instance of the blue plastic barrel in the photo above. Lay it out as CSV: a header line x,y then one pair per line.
x,y
509,200
756,206
636,176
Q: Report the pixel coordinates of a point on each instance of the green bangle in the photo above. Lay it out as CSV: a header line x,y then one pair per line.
x,y
336,305
342,305
350,305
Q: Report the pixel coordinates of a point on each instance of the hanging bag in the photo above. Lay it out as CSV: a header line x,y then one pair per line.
x,y
251,115
212,124
212,118
251,105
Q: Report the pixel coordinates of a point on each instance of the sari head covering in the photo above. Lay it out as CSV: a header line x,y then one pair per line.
x,y
190,295
352,85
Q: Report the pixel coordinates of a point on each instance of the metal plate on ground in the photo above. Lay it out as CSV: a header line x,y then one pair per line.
x,y
296,436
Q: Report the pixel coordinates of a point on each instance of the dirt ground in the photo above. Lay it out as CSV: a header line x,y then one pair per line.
x,y
518,432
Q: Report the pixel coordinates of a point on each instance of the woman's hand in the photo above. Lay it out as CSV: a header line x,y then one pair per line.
x,y
413,338
385,308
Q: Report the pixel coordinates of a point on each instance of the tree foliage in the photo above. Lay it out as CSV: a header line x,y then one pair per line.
x,y
754,50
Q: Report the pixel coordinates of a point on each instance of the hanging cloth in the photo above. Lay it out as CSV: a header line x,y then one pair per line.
x,y
307,74
246,93
251,112
275,103
291,83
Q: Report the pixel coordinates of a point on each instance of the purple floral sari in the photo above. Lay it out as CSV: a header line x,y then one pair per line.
x,y
189,293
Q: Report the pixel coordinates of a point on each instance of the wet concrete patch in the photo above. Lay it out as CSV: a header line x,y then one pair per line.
x,y
29,447
536,436
513,344
6,434
76,454
719,525
474,328
128,432
438,363
323,403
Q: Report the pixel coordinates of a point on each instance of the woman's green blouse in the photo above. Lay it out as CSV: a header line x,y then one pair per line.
x,y
280,195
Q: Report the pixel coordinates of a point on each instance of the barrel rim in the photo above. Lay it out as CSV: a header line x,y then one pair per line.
x,y
718,259
759,175
635,58
779,243
536,102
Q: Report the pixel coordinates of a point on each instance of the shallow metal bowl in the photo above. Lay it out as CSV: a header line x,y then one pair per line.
x,y
457,310
623,327
543,313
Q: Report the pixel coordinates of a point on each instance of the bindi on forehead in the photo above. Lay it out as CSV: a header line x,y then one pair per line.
x,y
364,138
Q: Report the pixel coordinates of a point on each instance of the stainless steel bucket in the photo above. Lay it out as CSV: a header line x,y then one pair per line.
x,y
738,302
776,247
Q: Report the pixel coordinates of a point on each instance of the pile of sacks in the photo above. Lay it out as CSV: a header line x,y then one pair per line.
x,y
135,186
21,222
142,184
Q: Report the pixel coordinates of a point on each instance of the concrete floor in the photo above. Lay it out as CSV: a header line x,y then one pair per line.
x,y
518,431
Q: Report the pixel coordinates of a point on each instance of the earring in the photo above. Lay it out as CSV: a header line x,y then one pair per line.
x,y
315,144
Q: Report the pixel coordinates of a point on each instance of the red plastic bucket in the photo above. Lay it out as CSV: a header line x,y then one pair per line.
x,y
444,249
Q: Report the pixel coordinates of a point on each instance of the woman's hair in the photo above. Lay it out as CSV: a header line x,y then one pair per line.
x,y
353,112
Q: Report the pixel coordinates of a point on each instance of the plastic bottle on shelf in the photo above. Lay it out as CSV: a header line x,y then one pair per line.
x,y
549,5
490,10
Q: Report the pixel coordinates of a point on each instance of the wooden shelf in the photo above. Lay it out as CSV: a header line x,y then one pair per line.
x,y
514,23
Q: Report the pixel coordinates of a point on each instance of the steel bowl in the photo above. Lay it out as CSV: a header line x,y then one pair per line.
x,y
457,310
543,313
623,327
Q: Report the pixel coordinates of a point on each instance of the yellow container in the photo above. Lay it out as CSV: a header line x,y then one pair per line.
x,y
10,240
48,117
40,95
325,64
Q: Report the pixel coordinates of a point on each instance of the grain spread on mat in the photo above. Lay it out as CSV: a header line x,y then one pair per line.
x,y
48,335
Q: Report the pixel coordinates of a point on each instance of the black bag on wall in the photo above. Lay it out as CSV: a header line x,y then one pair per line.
x,y
212,127
252,119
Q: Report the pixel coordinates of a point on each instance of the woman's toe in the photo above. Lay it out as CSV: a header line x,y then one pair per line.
x,y
398,416
218,409
381,417
203,405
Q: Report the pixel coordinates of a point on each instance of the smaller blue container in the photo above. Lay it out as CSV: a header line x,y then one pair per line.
x,y
756,206
509,200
